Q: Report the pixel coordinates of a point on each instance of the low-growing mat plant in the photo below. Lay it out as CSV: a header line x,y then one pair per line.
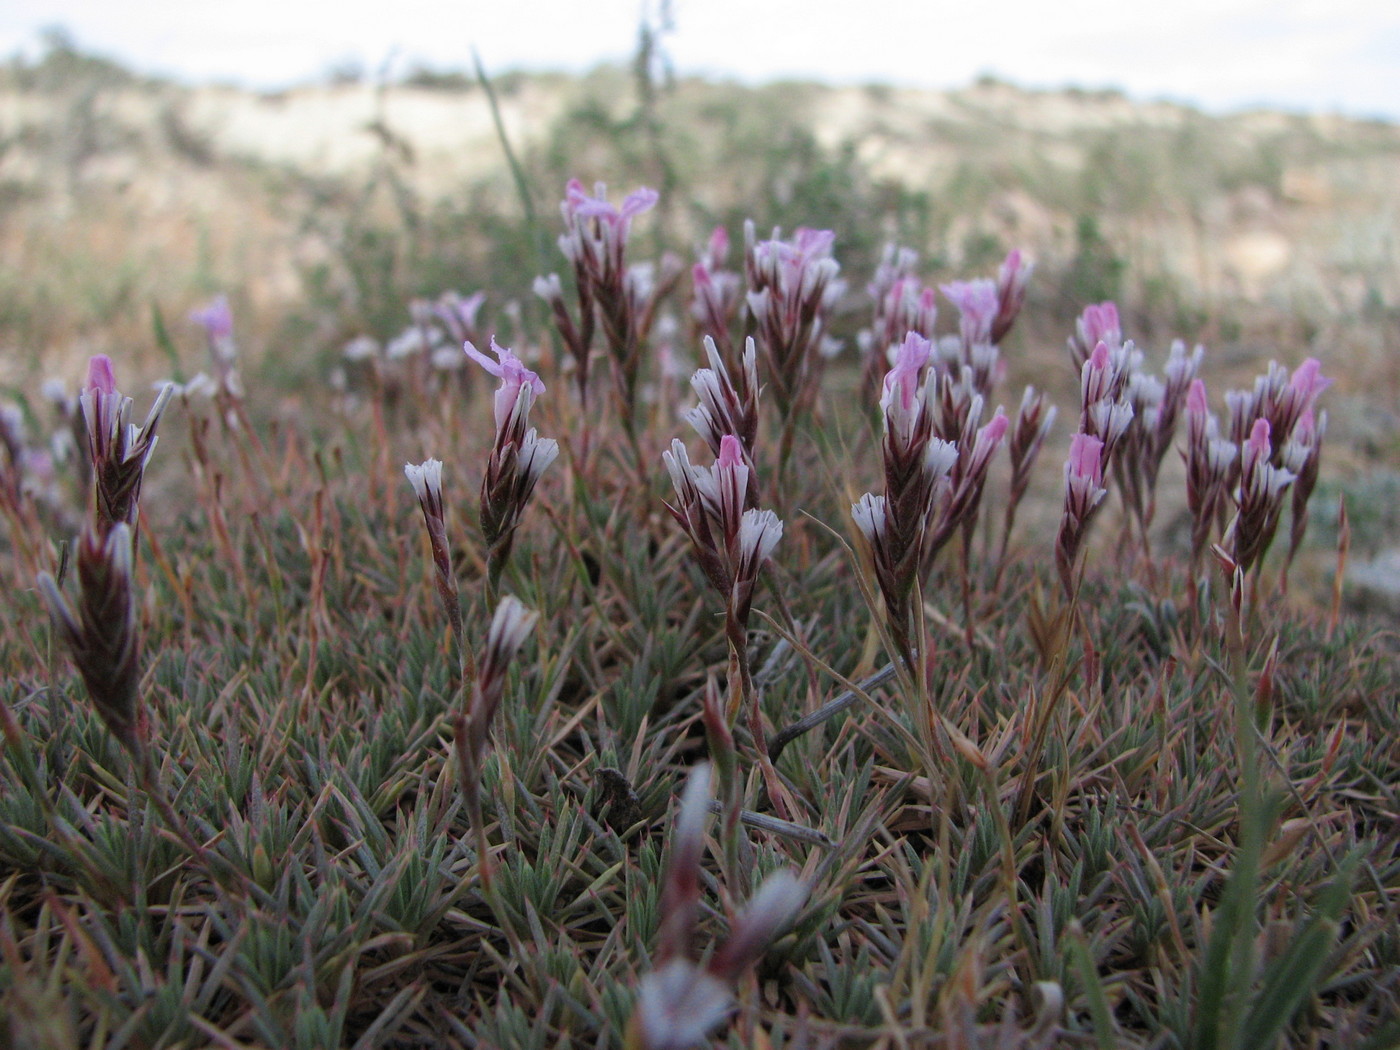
x,y
290,762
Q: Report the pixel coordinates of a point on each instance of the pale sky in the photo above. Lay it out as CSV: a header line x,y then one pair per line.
x,y
1305,55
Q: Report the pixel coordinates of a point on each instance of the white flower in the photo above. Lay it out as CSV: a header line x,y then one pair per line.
x,y
448,359
510,627
759,533
535,456
871,518
199,385
939,458
361,348
426,479
549,288
679,1004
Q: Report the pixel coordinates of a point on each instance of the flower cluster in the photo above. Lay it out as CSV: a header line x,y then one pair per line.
x,y
680,1001
974,349
426,479
425,351
217,321
727,406
1096,324
1275,442
917,466
621,298
1258,498
902,305
1133,413
1157,406
511,625
518,457
1279,397
977,443
102,634
1211,464
1105,409
716,294
1084,493
791,288
117,449
1033,422
932,485
1107,366
732,541
1013,281
987,311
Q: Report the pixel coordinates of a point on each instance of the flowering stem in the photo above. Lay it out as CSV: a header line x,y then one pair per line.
x,y
1228,963
1062,621
743,695
966,573
469,778
786,443
496,559
725,758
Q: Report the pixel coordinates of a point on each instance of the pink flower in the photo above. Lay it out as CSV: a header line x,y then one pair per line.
x,y
902,385
1096,378
989,437
1287,405
1012,280
716,249
1101,325
1257,449
1308,380
1259,499
577,204
791,287
731,483
977,302
216,319
1196,404
1084,492
459,314
100,376
1084,463
731,453
730,543
514,378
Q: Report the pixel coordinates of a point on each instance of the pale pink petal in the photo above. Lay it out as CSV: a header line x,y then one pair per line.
x,y
100,376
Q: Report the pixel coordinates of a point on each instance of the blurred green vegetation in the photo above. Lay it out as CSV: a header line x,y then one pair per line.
x,y
1151,204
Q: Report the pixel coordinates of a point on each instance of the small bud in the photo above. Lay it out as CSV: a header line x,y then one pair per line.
x,y
767,914
426,479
